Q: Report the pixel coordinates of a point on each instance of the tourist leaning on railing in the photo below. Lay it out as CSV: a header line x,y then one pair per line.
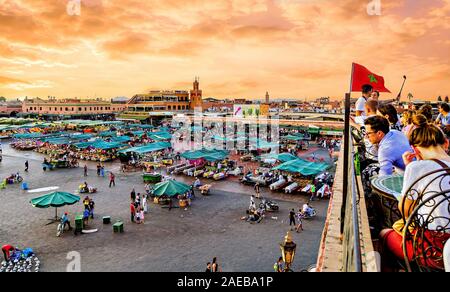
x,y
429,145
391,144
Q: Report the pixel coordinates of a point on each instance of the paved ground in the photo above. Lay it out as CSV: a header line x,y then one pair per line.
x,y
175,240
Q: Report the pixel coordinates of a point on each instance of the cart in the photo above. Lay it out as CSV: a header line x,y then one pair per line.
x,y
152,178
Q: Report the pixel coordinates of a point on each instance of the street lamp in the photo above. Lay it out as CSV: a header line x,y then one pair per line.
x,y
288,251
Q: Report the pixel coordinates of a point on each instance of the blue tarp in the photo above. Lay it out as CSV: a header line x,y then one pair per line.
x,y
148,148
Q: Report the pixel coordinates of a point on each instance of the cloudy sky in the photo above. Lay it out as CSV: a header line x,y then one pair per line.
x,y
239,48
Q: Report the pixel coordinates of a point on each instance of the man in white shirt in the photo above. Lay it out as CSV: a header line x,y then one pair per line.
x,y
367,90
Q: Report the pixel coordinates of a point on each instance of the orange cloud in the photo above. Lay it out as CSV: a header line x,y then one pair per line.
x,y
292,49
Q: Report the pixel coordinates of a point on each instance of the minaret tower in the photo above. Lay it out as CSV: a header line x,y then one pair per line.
x,y
196,95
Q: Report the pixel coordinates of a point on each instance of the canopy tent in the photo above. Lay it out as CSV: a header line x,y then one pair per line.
x,y
292,137
160,136
170,188
228,139
303,167
283,157
55,199
138,133
100,144
80,136
209,155
121,139
108,134
262,144
28,136
58,141
152,147
141,126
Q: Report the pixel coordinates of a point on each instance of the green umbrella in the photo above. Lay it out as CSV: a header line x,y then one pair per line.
x,y
170,188
55,199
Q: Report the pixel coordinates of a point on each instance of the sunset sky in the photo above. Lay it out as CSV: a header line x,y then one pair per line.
x,y
238,48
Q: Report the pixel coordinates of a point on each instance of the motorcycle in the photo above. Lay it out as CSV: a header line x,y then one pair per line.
x,y
60,229
311,214
269,205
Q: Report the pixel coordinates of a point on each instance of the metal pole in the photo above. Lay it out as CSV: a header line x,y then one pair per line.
x,y
356,242
346,158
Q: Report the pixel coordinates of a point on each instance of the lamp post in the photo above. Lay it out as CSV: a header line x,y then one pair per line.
x,y
288,251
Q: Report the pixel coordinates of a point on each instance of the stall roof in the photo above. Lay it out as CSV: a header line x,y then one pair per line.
x,y
303,167
152,147
210,155
283,157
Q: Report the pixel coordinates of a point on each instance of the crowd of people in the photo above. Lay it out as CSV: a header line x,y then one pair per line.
x,y
138,207
413,145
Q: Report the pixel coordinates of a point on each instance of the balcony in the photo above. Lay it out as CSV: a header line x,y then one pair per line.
x,y
357,213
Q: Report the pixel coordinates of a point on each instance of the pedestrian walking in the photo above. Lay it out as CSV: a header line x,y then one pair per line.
x,y
299,216
85,170
278,266
215,266
91,208
313,192
257,190
102,171
99,167
144,203
292,218
112,178
208,267
133,211
133,195
26,166
170,204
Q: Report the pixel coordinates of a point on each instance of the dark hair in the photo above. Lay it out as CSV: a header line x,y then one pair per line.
x,y
280,258
390,111
425,134
408,115
445,107
378,123
377,92
366,88
427,111
208,263
214,260
372,105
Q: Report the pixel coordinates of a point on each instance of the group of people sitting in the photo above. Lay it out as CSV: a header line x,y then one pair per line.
x,y
413,146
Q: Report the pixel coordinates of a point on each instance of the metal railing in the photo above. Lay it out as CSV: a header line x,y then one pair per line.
x,y
350,229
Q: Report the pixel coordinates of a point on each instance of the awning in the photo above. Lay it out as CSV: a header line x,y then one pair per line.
x,y
302,166
152,147
210,155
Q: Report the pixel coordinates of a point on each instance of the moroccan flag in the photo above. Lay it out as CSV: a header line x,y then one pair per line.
x,y
363,76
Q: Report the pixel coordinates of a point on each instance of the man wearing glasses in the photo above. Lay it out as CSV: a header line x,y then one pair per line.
x,y
391,144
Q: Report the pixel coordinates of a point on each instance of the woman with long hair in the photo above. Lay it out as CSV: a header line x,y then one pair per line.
x,y
429,144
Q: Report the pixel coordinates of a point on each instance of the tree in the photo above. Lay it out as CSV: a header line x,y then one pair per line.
x,y
439,98
2,99
446,99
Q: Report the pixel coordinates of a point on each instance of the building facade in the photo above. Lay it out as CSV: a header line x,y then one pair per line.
x,y
10,108
166,100
70,107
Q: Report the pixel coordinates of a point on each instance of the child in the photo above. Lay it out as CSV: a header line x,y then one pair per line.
x,y
138,215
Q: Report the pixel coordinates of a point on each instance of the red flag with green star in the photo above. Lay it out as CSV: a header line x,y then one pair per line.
x,y
363,76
